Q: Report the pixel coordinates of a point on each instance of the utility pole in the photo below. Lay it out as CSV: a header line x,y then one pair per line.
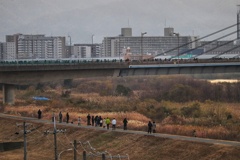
x,y
25,140
177,34
54,132
142,34
238,22
70,49
75,150
25,131
103,157
84,155
55,139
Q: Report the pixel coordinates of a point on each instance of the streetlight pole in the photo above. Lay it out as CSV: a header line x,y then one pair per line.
x,y
142,34
119,51
70,49
63,151
177,34
92,46
32,47
17,44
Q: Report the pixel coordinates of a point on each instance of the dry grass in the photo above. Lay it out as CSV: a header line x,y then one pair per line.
x,y
136,120
138,147
117,106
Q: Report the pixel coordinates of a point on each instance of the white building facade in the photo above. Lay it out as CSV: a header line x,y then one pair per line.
x,y
82,52
86,51
10,48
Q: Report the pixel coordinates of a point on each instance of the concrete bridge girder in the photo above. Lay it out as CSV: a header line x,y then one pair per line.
x,y
179,70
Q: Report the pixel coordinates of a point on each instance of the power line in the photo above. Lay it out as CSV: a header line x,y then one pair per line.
x,y
216,47
227,51
206,44
211,34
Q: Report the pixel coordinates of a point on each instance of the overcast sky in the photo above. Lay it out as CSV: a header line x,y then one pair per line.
x,y
82,18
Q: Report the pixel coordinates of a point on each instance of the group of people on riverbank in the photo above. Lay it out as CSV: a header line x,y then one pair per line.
x,y
99,121
151,127
60,117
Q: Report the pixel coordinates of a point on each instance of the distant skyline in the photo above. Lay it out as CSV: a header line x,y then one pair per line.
x,y
82,18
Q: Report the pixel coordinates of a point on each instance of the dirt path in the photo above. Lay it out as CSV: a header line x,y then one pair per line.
x,y
169,136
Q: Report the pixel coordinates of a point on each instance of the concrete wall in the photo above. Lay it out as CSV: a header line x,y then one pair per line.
x,y
7,146
8,93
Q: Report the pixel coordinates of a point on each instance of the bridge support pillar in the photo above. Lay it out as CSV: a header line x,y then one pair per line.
x,y
8,93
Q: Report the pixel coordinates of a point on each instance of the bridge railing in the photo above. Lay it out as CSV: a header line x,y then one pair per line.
x,y
150,61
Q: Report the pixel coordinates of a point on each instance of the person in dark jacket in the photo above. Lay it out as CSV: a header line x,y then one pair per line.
x,y
60,117
150,127
53,117
125,121
93,119
67,116
39,114
96,120
88,119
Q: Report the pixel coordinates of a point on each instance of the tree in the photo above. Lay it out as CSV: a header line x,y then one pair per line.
x,y
123,91
40,87
191,111
181,93
67,83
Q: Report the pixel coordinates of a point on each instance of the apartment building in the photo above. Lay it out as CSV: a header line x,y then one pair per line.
x,y
10,49
86,50
151,45
81,52
36,47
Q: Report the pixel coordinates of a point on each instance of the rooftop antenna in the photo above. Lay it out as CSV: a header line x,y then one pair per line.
x,y
165,23
128,23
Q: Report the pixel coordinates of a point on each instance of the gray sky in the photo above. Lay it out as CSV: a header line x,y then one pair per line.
x,y
82,18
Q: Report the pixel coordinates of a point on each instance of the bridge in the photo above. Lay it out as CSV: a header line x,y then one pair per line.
x,y
36,73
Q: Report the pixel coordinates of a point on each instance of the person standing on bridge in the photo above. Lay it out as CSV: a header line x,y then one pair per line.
x,y
39,114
